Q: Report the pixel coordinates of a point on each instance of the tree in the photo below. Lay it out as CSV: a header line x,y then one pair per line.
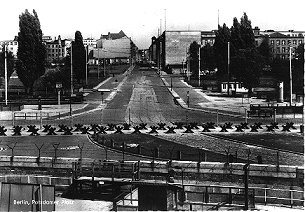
x,y
194,58
246,66
221,50
10,63
246,62
79,57
208,58
298,70
265,50
31,51
247,34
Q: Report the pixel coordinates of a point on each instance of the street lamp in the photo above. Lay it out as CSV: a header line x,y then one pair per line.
x,y
5,72
71,79
290,75
228,67
86,65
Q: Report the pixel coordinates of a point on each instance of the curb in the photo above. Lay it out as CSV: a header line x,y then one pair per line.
x,y
184,105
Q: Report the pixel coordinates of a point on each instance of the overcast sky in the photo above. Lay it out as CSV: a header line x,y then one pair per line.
x,y
140,19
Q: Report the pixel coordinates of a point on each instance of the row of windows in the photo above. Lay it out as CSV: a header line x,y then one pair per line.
x,y
9,43
55,55
284,42
232,86
279,50
55,50
54,45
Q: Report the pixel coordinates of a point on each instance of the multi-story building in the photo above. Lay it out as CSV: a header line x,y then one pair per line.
x,y
208,37
12,46
280,41
115,48
90,42
57,49
46,38
170,49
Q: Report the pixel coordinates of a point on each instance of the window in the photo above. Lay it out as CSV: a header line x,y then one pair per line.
x,y
277,42
294,42
300,41
278,50
283,49
283,42
224,86
289,42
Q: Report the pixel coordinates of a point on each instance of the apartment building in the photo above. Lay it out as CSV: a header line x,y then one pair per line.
x,y
280,41
12,46
57,49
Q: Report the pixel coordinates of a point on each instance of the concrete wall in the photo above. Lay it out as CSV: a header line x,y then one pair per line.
x,y
256,170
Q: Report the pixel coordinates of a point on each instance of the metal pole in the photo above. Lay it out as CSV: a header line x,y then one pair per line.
x,y
70,112
246,120
104,61
86,65
5,72
246,178
98,63
228,66
303,117
199,68
290,75
71,70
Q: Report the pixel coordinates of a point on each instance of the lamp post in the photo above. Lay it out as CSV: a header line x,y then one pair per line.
x,y
290,75
228,67
71,77
5,72
98,63
86,65
199,67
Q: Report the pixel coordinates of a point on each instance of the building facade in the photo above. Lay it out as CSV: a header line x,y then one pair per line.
x,y
57,49
12,46
280,41
115,48
90,42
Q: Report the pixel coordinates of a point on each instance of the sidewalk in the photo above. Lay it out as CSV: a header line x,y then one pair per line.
x,y
199,100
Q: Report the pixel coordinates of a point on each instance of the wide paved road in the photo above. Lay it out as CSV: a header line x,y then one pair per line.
x,y
144,98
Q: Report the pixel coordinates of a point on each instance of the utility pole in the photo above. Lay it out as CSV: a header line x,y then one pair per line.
x,y
199,68
71,70
228,67
98,63
290,75
105,67
86,65
5,72
246,181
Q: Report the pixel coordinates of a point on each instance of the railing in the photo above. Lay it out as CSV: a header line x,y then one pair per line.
x,y
127,201
113,169
36,115
269,109
290,197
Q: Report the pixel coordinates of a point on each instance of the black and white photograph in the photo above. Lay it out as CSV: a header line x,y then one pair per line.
x,y
157,105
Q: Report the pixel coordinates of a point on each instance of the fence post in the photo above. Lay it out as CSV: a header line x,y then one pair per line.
x,y
217,118
246,181
291,198
277,161
265,194
13,118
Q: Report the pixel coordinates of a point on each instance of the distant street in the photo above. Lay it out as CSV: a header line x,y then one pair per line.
x,y
143,98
